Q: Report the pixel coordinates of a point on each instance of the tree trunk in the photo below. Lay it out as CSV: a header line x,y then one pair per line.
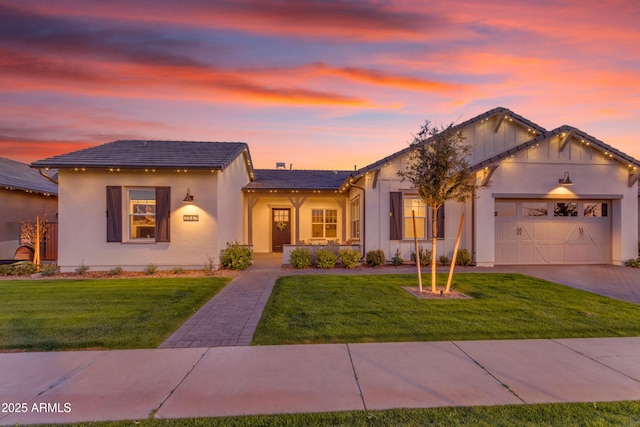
x,y
434,234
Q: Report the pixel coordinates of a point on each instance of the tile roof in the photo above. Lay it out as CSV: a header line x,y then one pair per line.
x,y
284,179
19,176
138,154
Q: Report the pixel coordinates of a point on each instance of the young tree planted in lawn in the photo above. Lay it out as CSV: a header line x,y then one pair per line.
x,y
438,168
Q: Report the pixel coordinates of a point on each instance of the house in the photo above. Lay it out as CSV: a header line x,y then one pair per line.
x,y
544,197
24,194
135,203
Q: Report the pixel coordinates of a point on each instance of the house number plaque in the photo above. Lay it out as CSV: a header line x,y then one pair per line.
x,y
191,218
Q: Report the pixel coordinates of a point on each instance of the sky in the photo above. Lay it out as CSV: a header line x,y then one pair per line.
x,y
316,84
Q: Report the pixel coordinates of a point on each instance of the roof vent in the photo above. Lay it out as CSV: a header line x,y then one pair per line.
x,y
281,165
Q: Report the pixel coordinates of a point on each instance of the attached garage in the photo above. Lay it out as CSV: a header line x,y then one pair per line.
x,y
554,231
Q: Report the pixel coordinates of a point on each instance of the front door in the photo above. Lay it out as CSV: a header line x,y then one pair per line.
x,y
280,229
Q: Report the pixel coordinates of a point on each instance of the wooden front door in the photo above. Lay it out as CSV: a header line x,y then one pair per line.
x,y
280,229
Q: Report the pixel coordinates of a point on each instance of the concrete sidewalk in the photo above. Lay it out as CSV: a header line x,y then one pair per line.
x,y
63,387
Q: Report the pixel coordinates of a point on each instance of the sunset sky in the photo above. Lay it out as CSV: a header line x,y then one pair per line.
x,y
319,84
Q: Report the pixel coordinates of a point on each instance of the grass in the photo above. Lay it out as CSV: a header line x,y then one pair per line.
x,y
350,309
565,415
81,314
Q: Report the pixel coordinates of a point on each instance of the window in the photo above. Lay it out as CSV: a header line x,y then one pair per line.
x,y
147,213
355,218
595,210
505,208
534,208
142,213
565,209
414,204
324,223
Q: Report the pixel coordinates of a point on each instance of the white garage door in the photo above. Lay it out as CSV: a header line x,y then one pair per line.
x,y
553,231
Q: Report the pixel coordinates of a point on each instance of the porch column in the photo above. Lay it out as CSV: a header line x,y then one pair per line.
x,y
342,202
252,200
297,202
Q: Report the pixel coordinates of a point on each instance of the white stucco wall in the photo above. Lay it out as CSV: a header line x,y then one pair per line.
x,y
229,202
82,221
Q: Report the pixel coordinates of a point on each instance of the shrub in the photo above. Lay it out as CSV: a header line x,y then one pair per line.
x,y
236,256
209,266
349,257
300,258
48,269
325,259
463,258
115,271
82,269
375,258
5,269
635,263
397,259
444,260
150,269
23,268
425,256
178,270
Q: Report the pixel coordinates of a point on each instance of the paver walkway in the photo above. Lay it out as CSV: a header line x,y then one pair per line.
x,y
231,317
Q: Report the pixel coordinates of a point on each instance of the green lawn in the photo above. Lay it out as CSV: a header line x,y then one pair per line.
x,y
374,308
562,415
82,314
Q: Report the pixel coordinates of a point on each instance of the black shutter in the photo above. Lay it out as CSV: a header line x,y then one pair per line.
x,y
163,213
395,217
114,214
440,222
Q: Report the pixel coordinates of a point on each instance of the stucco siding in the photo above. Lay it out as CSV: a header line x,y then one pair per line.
x,y
82,221
230,202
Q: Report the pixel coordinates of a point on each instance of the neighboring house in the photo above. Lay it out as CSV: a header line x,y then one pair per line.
x,y
135,203
545,197
24,194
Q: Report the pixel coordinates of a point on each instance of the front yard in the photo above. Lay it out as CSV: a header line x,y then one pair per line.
x,y
98,314
375,308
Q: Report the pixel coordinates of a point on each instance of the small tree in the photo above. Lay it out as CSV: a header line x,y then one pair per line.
x,y
438,168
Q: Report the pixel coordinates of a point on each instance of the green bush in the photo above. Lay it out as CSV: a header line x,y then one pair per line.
x,y
444,260
150,269
48,269
23,268
425,256
463,258
115,271
82,269
397,259
349,258
5,269
236,256
178,270
300,258
325,259
635,263
375,258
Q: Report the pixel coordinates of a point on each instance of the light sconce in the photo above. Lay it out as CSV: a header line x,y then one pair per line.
x,y
188,198
566,180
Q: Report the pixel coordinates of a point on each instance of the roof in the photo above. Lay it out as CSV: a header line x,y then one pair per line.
x,y
491,113
19,176
572,132
284,179
539,134
140,154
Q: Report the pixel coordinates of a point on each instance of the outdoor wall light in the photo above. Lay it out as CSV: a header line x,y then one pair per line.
x,y
188,198
566,180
